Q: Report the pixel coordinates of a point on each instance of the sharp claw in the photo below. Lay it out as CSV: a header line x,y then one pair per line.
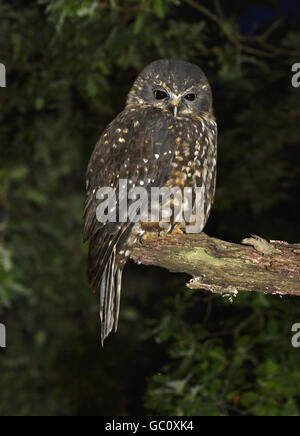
x,y
140,238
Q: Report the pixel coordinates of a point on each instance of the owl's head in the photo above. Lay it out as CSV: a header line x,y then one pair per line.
x,y
172,85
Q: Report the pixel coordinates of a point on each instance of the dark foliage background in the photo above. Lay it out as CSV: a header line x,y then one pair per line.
x,y
69,67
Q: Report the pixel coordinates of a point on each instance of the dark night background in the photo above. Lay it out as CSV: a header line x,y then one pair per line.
x,y
177,351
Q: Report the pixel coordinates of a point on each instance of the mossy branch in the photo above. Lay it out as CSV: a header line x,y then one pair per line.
x,y
224,267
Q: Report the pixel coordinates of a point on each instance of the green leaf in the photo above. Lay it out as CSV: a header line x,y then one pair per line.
x,y
139,22
159,8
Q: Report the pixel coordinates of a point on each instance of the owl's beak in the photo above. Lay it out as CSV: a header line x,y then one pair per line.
x,y
175,104
175,111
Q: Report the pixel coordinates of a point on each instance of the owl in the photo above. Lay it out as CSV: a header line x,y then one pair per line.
x,y
166,136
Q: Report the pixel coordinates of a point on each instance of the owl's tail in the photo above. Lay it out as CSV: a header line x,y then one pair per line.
x,y
104,272
110,292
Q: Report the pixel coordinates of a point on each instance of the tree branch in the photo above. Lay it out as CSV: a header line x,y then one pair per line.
x,y
236,38
223,267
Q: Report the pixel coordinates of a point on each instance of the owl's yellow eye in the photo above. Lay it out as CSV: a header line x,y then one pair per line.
x,y
190,97
160,95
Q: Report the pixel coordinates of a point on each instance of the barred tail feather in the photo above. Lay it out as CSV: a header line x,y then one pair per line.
x,y
110,290
104,272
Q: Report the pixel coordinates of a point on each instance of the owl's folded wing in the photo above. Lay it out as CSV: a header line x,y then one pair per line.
x,y
138,146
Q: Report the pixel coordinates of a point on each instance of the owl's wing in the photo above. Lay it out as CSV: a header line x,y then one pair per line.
x,y
139,146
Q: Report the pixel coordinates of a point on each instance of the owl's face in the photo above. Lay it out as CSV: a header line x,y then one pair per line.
x,y
172,85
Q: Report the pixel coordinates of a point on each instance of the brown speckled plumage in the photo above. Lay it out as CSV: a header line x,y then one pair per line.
x,y
150,147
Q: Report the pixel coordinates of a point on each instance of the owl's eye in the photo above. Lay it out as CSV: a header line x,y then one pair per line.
x,y
160,95
190,97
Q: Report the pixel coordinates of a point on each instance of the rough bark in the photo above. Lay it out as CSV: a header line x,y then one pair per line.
x,y
224,267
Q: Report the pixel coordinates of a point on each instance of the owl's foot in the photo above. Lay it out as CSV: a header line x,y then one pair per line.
x,y
147,231
174,229
179,230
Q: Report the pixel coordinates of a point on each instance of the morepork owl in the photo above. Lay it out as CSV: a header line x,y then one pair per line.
x,y
166,136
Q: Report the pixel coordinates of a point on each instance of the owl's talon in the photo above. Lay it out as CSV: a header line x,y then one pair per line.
x,y
141,237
